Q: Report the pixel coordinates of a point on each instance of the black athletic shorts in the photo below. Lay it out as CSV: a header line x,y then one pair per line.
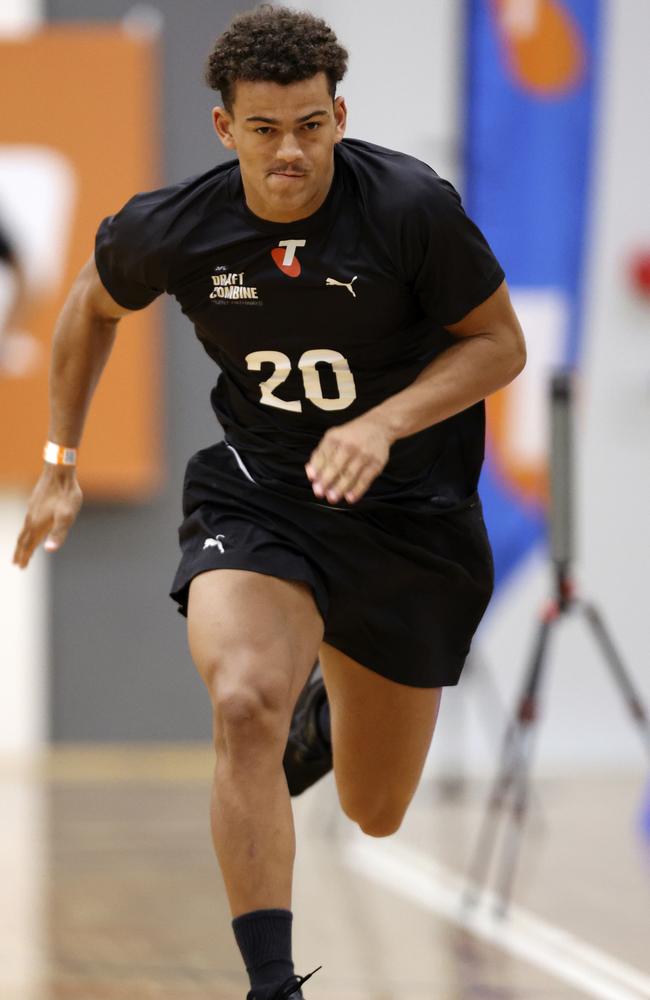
x,y
401,587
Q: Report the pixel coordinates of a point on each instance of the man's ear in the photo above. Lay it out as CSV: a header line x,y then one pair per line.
x,y
222,122
340,117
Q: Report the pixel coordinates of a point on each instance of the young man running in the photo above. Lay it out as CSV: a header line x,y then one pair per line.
x,y
359,319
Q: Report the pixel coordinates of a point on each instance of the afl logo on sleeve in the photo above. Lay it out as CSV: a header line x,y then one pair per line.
x,y
284,256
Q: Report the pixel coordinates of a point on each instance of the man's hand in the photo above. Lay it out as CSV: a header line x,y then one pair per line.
x,y
349,458
53,506
83,339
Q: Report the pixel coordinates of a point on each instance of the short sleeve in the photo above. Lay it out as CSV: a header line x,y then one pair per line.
x,y
130,255
456,269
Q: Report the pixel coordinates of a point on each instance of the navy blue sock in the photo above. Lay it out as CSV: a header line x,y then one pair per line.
x,y
264,939
323,718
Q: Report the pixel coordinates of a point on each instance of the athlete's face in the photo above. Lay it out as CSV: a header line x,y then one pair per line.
x,y
284,136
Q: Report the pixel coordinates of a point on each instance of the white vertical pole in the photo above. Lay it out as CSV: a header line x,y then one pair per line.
x,y
23,712
23,595
23,639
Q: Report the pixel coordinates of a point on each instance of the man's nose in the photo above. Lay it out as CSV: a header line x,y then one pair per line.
x,y
289,149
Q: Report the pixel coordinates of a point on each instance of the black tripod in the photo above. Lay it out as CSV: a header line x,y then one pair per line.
x,y
511,785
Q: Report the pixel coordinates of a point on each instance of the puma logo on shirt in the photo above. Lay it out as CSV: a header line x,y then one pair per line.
x,y
211,543
343,284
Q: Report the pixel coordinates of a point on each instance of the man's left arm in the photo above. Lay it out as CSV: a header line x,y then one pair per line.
x,y
489,353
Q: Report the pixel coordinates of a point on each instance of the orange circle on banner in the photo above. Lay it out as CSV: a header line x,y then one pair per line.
x,y
530,481
544,49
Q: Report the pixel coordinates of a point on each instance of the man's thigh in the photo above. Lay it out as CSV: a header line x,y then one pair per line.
x,y
381,733
250,631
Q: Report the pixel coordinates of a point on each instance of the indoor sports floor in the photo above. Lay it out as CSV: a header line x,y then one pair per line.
x,y
110,890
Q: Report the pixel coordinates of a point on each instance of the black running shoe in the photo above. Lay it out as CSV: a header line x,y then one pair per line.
x,y
289,990
308,756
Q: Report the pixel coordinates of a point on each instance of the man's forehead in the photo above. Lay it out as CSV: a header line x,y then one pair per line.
x,y
277,100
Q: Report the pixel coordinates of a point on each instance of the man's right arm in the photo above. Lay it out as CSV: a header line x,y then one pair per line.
x,y
83,339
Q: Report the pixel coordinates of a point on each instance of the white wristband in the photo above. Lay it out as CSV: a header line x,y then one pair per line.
x,y
58,454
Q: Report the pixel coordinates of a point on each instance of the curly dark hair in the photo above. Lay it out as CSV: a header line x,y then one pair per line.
x,y
275,44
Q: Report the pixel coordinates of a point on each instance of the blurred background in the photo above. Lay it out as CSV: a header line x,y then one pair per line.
x,y
537,111
540,124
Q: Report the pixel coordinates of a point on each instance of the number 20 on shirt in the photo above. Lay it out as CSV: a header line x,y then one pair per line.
x,y
347,391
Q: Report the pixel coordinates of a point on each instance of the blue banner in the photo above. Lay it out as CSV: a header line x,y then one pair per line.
x,y
530,96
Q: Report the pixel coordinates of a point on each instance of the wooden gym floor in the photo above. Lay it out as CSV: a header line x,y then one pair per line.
x,y
109,890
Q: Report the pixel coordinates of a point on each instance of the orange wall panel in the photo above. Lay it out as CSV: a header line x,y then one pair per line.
x,y
88,95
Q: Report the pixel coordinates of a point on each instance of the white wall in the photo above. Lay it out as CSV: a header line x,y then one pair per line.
x,y
403,90
403,84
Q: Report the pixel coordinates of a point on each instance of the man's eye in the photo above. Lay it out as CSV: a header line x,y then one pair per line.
x,y
312,126
264,130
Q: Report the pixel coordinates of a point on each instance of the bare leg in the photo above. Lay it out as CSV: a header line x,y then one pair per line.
x,y
254,640
381,733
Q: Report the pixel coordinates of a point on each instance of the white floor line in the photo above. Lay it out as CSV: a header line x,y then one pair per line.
x,y
416,877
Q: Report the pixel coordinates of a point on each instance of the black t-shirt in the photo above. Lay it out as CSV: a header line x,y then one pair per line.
x,y
314,322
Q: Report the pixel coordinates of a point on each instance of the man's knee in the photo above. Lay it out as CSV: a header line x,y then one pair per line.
x,y
251,701
249,706
383,824
376,819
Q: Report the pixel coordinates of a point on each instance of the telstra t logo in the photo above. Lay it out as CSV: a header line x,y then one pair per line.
x,y
284,256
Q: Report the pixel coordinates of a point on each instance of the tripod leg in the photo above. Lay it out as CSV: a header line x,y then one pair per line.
x,y
494,709
510,765
514,830
528,713
487,836
615,663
